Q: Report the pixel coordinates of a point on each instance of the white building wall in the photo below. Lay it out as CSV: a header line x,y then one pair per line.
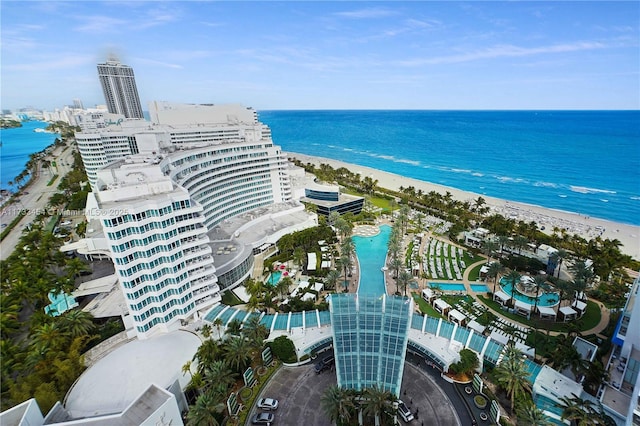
x,y
158,244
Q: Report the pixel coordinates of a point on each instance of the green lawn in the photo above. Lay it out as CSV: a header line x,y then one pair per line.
x,y
230,298
590,319
426,308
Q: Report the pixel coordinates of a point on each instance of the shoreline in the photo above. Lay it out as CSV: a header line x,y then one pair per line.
x,y
587,227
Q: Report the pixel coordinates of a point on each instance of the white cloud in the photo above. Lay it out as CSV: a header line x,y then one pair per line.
x,y
62,62
502,51
367,13
100,24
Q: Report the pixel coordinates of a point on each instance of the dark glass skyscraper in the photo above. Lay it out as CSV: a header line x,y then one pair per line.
x,y
119,88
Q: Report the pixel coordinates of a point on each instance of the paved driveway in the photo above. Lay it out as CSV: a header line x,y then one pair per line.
x,y
299,390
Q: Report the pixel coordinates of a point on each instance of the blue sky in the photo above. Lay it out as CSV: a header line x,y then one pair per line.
x,y
328,55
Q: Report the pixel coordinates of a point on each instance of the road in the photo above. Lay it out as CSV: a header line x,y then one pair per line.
x,y
299,391
34,199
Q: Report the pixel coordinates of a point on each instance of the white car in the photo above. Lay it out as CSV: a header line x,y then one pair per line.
x,y
404,411
268,404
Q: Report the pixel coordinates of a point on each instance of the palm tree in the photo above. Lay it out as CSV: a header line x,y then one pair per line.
x,y
186,368
495,269
217,323
206,411
218,372
530,415
233,327
237,352
403,280
557,258
299,256
578,410
376,402
345,264
513,277
77,323
512,375
540,282
255,333
207,352
282,288
338,404
488,248
206,331
332,279
50,336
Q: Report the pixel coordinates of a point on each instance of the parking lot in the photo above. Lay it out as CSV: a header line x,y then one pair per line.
x,y
299,391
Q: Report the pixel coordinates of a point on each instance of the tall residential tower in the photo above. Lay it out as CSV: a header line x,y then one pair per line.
x,y
119,88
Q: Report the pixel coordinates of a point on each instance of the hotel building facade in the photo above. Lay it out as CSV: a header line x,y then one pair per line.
x,y
164,196
119,88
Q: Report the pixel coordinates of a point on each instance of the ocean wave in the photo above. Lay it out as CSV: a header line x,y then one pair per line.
x,y
634,198
587,190
394,159
546,184
505,179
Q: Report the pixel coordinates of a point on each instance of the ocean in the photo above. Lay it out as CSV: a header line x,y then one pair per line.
x,y
17,145
586,162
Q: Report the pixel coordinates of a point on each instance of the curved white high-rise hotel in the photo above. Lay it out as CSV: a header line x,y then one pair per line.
x,y
165,193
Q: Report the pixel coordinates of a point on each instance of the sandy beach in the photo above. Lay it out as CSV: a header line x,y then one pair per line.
x,y
585,226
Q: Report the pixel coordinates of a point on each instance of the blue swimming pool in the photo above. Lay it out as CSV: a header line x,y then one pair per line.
x,y
545,299
447,286
372,253
479,288
274,278
60,303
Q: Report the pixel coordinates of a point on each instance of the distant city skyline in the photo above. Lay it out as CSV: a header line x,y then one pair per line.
x,y
328,55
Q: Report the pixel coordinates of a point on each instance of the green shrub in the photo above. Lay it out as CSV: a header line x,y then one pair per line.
x,y
284,349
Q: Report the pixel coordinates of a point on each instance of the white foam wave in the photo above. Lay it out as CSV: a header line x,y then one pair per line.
x,y
634,198
546,184
394,159
587,190
604,200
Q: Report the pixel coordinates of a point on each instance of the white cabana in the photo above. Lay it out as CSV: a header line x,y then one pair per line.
x,y
457,316
568,313
476,326
523,308
326,264
312,261
428,295
441,306
579,306
502,297
527,350
484,269
500,338
546,312
308,296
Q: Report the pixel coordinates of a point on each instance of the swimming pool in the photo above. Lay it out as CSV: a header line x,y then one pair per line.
x,y
60,303
372,253
479,288
476,288
274,278
545,299
448,286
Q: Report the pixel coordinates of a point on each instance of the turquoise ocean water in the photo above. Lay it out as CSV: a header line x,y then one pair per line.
x,y
586,162
17,145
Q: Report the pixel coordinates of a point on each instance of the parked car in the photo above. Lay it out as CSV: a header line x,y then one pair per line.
x,y
324,364
263,419
404,411
268,404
